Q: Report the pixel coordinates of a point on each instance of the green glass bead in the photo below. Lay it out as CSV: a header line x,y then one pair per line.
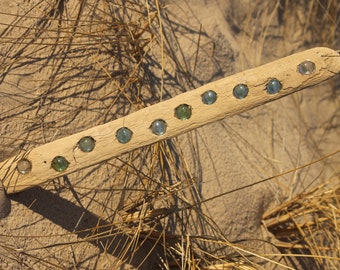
x,y
183,112
273,86
59,164
158,127
209,97
24,166
124,135
241,91
306,67
86,144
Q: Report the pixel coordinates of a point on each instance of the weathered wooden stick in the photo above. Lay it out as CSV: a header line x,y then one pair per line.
x,y
187,111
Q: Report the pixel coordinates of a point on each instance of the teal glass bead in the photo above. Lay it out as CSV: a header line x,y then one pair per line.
x,y
59,164
273,86
306,67
86,144
158,127
183,112
209,97
124,135
24,166
240,91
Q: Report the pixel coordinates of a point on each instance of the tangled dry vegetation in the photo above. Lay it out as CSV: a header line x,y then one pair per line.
x,y
308,224
70,65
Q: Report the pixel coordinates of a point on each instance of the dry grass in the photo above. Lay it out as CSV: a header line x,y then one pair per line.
x,y
69,65
309,225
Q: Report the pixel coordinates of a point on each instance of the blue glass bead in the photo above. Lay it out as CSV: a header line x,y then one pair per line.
x,y
183,112
86,144
240,91
124,135
273,86
158,127
209,97
24,166
59,164
306,67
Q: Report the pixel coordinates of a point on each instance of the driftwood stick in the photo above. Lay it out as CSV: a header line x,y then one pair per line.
x,y
322,64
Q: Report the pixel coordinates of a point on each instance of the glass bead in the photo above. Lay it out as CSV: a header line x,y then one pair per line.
x,y
306,67
124,135
86,144
158,127
59,163
183,112
24,166
241,91
209,97
273,86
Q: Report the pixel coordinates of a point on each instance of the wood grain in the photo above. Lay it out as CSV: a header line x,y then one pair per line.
x,y
327,63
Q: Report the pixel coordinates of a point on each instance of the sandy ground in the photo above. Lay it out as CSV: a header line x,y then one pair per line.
x,y
222,157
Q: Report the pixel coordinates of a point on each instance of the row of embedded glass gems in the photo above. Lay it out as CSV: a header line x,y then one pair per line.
x,y
159,126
